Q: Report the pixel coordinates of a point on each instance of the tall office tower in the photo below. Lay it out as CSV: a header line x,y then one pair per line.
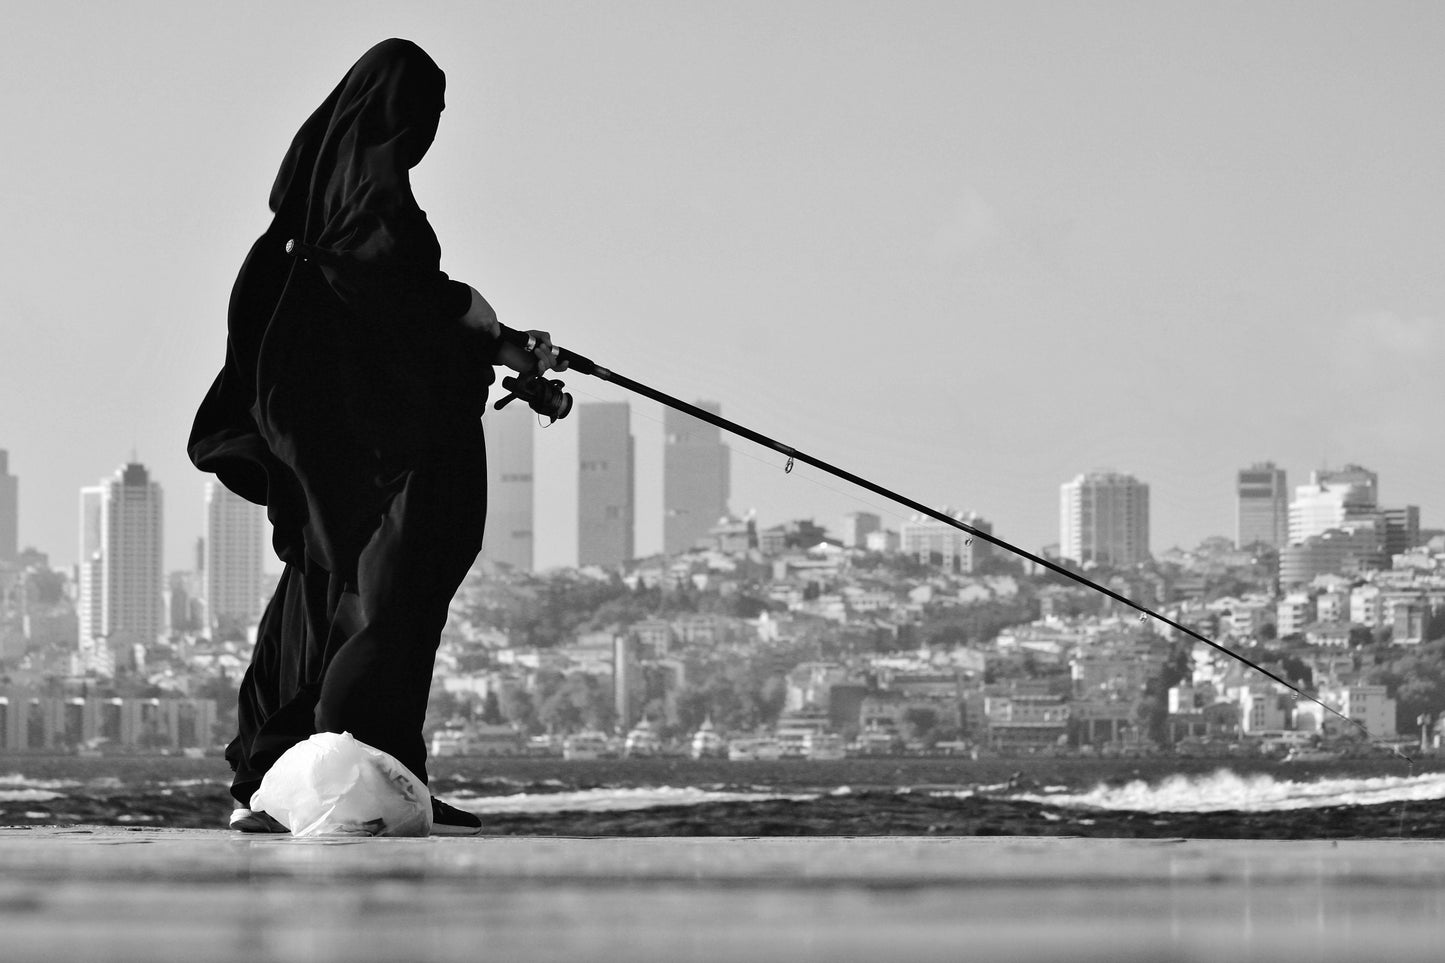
x,y
1402,528
122,588
1332,498
1262,514
857,526
1104,518
89,610
9,511
604,484
509,537
695,483
232,559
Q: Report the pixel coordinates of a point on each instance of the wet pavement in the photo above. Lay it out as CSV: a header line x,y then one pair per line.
x,y
108,893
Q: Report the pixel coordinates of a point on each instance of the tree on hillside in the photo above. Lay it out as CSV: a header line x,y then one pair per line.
x,y
1416,677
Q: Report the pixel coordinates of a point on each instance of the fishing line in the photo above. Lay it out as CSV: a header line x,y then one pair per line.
x,y
538,391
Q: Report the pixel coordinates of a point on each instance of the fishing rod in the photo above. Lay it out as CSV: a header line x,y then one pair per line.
x,y
548,397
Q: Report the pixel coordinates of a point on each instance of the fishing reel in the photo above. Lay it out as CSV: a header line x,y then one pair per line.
x,y
541,395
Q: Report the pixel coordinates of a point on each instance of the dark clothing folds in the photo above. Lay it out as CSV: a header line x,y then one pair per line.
x,y
332,659
349,386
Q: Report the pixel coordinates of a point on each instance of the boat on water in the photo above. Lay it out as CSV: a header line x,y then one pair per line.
x,y
642,741
449,742
587,745
750,748
1312,754
707,743
824,746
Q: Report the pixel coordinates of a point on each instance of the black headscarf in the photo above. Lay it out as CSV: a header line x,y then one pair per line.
x,y
344,184
343,371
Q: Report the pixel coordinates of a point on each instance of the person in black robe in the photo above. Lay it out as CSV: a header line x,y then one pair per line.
x,y
349,404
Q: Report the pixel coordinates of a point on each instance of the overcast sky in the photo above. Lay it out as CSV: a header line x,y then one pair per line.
x,y
967,250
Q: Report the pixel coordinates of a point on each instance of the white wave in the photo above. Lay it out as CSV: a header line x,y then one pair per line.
x,y
28,795
1226,790
609,800
15,780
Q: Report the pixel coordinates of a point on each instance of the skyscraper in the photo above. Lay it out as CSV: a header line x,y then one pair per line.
x,y
1104,519
1262,515
857,526
695,483
90,608
122,587
604,484
9,511
509,534
232,558
1333,498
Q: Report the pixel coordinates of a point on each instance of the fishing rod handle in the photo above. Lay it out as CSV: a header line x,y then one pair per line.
x,y
574,361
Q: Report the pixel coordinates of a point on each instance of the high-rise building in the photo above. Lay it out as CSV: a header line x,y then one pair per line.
x,y
122,588
509,536
857,526
1332,498
1104,519
90,610
1262,517
232,558
9,511
604,484
940,544
695,478
1402,528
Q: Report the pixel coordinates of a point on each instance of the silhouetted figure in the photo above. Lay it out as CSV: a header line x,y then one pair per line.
x,y
349,405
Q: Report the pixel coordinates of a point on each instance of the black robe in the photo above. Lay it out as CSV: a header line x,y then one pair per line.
x,y
346,373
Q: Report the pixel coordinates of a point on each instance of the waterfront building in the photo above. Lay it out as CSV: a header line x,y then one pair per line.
x,y
9,511
941,545
231,559
605,508
1026,722
1368,705
1261,707
509,537
33,721
695,478
121,590
1262,507
1104,519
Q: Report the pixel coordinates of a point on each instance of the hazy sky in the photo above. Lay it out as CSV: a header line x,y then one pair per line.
x,y
967,250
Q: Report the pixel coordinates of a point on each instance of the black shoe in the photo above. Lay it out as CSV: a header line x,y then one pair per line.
x,y
254,821
448,820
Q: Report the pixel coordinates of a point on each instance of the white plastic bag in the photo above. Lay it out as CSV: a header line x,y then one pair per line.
x,y
333,784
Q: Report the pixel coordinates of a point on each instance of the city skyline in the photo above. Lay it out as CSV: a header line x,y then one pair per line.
x,y
963,250
612,436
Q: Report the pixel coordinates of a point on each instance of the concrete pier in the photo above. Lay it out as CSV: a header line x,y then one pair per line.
x,y
104,893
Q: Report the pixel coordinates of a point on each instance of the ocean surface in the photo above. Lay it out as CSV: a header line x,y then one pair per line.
x,y
1387,797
